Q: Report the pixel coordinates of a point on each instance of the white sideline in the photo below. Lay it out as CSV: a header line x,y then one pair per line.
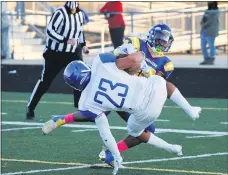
x,y
119,128
124,163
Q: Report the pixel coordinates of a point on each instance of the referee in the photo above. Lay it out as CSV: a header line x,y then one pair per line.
x,y
65,42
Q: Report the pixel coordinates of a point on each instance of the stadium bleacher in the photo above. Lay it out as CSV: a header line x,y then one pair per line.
x,y
28,44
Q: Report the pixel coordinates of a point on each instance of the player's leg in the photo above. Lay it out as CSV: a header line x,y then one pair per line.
x,y
130,141
60,120
137,123
157,101
108,139
175,95
135,129
137,136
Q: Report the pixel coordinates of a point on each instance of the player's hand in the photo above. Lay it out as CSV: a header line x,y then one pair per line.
x,y
145,69
72,41
85,50
144,66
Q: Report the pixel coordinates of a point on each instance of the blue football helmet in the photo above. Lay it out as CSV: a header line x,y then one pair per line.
x,y
77,75
160,38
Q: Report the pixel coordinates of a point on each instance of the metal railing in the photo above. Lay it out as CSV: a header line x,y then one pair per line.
x,y
184,23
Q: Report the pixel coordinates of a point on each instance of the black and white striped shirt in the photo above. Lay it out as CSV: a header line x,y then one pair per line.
x,y
64,26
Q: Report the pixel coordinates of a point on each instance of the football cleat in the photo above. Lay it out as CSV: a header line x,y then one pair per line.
x,y
195,112
106,157
176,149
52,124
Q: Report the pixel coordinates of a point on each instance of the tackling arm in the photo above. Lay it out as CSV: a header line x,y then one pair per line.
x,y
130,60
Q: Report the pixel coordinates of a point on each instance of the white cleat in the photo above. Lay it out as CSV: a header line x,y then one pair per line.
x,y
176,149
195,112
49,126
117,165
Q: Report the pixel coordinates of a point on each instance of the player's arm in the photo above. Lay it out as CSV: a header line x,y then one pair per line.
x,y
130,60
167,69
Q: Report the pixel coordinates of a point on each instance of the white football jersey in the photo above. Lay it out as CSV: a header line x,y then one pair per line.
x,y
111,89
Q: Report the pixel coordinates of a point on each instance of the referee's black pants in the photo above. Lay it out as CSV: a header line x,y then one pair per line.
x,y
54,62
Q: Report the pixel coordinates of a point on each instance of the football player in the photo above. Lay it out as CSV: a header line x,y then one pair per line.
x,y
159,40
107,88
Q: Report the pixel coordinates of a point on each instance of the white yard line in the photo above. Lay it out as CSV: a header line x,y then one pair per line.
x,y
224,123
131,162
119,128
175,158
161,120
84,130
4,113
196,137
24,128
70,103
48,170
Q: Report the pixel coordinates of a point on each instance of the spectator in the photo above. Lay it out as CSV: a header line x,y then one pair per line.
x,y
209,30
5,36
65,37
20,10
115,21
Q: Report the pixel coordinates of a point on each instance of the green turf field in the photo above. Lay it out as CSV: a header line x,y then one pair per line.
x,y
74,150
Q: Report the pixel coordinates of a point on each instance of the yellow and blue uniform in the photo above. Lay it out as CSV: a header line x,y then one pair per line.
x,y
157,63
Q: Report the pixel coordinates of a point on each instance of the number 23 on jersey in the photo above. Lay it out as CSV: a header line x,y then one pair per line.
x,y
113,93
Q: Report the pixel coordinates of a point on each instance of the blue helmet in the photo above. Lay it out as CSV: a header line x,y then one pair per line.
x,y
160,38
77,75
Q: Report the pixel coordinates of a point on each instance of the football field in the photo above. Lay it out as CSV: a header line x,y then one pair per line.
x,y
73,149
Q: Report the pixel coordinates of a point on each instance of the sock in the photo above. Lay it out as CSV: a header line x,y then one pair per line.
x,y
69,118
62,120
106,135
178,98
159,143
122,146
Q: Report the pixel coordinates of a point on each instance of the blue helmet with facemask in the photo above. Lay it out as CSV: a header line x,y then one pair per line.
x,y
77,75
160,38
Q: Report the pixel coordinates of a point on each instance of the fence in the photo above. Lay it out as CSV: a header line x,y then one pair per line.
x,y
184,23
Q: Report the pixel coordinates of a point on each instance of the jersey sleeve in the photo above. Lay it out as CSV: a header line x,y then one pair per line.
x,y
104,58
107,57
135,41
168,68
